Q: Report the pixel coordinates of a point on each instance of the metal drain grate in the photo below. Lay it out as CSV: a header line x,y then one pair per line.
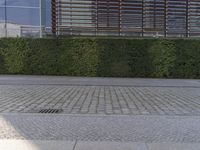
x,y
50,111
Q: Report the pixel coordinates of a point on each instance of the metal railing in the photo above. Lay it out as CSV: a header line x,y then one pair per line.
x,y
15,30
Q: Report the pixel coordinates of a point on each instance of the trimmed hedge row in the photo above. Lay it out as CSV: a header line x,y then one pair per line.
x,y
169,58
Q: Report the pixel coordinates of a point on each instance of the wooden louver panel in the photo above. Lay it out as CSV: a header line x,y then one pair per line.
x,y
162,18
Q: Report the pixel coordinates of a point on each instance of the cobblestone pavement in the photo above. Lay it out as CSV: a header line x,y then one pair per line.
x,y
101,99
100,109
118,128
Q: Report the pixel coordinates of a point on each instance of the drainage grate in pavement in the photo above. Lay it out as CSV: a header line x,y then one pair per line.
x,y
50,111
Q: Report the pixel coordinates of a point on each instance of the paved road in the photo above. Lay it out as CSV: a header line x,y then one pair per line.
x,y
30,94
144,111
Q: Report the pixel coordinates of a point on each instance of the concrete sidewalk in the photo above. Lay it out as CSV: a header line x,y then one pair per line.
x,y
79,145
96,81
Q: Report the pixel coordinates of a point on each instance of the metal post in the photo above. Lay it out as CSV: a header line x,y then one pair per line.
x,y
120,16
41,18
54,17
96,19
108,14
154,16
142,18
165,19
187,16
71,18
6,32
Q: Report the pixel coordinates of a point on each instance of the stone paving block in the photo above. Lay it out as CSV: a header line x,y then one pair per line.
x,y
127,100
110,146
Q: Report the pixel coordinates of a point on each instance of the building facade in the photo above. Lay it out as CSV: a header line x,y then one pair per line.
x,y
157,18
137,18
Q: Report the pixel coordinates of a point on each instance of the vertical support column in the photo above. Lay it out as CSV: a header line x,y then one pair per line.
x,y
108,15
41,9
142,18
71,33
187,17
6,32
96,18
42,17
165,19
154,16
54,16
120,16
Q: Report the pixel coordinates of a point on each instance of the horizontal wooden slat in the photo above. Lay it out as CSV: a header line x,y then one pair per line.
x,y
121,17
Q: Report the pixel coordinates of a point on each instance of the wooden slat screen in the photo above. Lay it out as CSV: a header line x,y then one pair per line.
x,y
194,18
165,18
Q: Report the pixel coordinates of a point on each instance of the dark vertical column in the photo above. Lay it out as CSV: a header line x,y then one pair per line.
x,y
54,16
187,16
154,15
6,32
142,18
120,13
71,25
108,14
165,19
96,17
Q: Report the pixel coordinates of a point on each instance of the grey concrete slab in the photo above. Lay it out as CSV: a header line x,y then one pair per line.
x,y
35,145
118,128
110,146
63,80
173,146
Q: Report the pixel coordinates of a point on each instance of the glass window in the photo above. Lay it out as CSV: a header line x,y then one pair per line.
x,y
29,3
2,14
48,13
23,16
2,3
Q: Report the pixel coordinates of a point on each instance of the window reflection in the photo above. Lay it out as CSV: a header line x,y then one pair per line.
x,y
2,14
29,3
20,18
24,16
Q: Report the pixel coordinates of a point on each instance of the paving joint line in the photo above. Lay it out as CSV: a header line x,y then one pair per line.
x,y
75,145
116,85
93,115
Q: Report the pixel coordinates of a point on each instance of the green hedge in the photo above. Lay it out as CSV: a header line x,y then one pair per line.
x,y
169,58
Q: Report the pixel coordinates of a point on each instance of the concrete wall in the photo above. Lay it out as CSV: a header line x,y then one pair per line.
x,y
13,30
